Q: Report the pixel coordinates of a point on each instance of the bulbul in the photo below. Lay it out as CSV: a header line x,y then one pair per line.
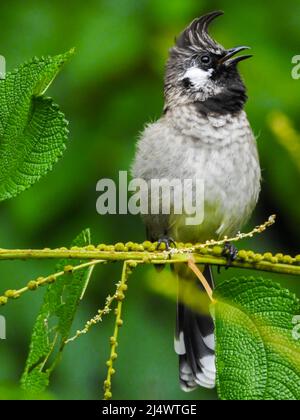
x,y
203,134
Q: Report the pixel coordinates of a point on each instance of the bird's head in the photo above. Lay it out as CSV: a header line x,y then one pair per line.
x,y
201,70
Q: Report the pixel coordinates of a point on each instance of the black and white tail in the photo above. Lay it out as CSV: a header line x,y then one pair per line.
x,y
194,343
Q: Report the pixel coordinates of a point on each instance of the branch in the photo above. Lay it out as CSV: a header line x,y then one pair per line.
x,y
128,266
43,281
147,253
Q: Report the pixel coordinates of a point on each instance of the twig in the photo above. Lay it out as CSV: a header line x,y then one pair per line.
x,y
204,282
42,281
122,287
95,320
279,263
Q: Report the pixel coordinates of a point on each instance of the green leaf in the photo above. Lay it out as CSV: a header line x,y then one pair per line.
x,y
257,356
54,322
33,131
9,391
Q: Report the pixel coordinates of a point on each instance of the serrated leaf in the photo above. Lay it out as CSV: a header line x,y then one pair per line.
x,y
257,356
54,322
33,131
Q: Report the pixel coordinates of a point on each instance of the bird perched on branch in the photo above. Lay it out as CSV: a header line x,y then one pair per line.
x,y
203,134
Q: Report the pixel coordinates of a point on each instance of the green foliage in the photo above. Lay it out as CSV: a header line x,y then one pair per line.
x,y
33,131
12,392
257,356
114,87
54,321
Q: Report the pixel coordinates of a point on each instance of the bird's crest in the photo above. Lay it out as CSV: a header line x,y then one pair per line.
x,y
195,37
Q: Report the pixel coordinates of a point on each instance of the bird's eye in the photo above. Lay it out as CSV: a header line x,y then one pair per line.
x,y
205,59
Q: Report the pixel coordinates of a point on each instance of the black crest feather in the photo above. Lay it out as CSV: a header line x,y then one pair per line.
x,y
196,36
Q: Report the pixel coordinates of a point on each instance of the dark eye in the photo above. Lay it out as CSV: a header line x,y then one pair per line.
x,y
205,59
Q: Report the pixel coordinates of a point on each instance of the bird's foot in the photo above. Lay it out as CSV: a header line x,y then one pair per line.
x,y
230,252
167,241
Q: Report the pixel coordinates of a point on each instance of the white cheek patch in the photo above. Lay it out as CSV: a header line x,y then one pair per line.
x,y
198,77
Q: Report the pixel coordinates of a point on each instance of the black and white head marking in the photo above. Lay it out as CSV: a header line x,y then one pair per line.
x,y
201,71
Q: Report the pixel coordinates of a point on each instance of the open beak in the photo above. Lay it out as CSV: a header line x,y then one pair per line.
x,y
228,60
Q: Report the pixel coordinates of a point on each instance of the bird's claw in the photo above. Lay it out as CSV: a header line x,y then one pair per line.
x,y
230,252
167,241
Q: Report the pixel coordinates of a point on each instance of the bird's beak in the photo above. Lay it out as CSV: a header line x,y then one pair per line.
x,y
227,58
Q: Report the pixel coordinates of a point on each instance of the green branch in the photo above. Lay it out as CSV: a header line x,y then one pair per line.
x,y
44,281
128,266
147,253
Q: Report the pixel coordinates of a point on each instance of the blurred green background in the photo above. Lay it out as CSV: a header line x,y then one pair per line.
x,y
109,90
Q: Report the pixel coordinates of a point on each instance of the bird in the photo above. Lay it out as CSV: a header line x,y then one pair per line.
x,y
203,133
